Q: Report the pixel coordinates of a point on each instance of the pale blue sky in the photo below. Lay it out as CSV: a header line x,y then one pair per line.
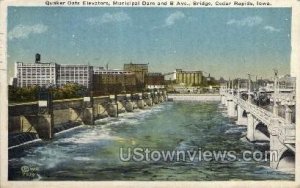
x,y
223,42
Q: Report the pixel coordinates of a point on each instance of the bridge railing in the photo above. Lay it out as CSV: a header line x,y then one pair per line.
x,y
261,113
286,131
287,135
285,98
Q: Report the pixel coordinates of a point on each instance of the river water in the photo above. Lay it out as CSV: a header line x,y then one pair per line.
x,y
93,152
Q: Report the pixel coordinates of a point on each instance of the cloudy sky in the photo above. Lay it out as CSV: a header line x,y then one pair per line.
x,y
223,42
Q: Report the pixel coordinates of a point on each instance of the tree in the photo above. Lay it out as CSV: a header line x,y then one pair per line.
x,y
29,94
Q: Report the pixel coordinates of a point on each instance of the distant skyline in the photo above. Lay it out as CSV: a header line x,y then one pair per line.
x,y
225,42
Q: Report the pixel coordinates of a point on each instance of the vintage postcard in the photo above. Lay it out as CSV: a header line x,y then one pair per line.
x,y
123,93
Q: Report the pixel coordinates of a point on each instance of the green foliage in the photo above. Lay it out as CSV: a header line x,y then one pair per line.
x,y
29,94
23,94
70,90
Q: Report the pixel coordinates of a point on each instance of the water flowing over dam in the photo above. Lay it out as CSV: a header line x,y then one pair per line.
x,y
92,152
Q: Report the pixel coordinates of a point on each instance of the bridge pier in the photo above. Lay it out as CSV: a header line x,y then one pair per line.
x,y
226,101
231,110
251,124
223,99
240,119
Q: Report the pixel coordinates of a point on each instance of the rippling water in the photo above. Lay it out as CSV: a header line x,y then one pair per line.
x,y
92,152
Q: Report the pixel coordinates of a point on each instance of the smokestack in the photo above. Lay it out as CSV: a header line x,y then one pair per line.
x,y
37,58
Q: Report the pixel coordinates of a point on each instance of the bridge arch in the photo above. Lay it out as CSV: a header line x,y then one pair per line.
x,y
261,132
262,128
286,159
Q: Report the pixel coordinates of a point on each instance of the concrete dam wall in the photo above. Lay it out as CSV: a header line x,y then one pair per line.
x,y
194,97
27,121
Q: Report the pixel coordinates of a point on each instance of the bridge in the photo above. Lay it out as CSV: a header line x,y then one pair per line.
x,y
45,117
264,125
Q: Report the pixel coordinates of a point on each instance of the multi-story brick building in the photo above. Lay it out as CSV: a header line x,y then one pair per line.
x,y
155,80
113,81
140,71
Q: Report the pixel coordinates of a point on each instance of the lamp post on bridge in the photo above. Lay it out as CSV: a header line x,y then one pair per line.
x,y
249,89
229,85
232,88
238,87
275,105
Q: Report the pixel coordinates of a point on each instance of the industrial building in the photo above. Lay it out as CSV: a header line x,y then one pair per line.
x,y
45,74
140,71
80,74
41,74
155,80
113,81
189,78
133,78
